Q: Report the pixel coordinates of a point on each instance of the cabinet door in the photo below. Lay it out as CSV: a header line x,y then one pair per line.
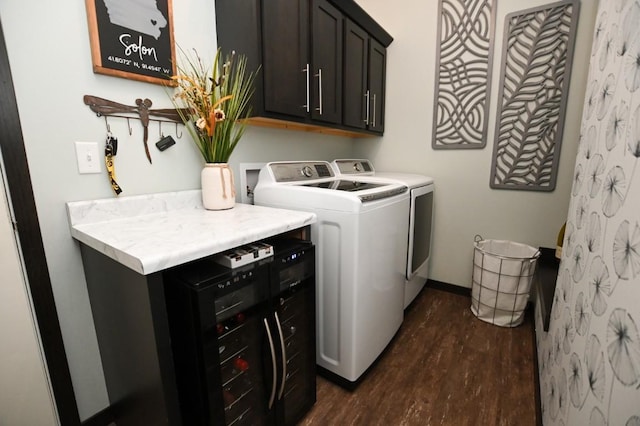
x,y
377,75
285,44
327,62
356,63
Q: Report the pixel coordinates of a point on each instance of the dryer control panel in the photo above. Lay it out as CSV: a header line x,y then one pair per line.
x,y
354,167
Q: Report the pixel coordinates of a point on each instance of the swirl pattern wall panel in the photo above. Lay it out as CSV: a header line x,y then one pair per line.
x,y
463,73
536,69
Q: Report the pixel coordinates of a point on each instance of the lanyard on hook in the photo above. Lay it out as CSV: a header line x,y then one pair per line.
x,y
110,150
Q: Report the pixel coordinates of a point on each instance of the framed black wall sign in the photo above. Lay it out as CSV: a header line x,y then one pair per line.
x,y
132,39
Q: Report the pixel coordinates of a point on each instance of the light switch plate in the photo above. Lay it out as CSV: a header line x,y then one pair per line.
x,y
88,157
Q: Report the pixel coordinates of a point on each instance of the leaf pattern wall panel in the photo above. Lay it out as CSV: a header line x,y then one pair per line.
x,y
536,69
463,73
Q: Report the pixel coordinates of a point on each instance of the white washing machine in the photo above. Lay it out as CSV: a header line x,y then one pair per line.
x,y
420,213
360,263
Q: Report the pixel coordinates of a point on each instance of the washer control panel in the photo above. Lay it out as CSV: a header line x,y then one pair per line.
x,y
289,171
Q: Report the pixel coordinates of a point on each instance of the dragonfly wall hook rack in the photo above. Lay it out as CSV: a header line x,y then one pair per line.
x,y
140,111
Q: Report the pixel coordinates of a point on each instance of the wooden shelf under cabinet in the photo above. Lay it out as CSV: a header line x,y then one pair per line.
x,y
303,127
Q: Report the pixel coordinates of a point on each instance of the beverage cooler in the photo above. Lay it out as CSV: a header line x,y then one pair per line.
x,y
244,339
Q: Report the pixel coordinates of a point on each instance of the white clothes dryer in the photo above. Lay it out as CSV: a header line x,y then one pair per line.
x,y
420,213
360,263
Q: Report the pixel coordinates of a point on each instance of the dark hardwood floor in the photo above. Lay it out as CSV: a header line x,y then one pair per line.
x,y
444,367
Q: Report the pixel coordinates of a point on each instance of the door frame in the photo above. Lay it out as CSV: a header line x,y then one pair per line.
x,y
28,229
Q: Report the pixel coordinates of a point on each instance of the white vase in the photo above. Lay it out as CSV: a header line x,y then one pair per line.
x,y
218,188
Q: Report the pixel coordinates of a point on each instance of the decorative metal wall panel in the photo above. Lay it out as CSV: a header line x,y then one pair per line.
x,y
463,73
536,69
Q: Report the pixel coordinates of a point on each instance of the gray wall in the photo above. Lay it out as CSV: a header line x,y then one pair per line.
x,y
464,203
26,397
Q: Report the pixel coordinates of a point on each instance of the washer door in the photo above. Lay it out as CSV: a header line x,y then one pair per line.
x,y
420,221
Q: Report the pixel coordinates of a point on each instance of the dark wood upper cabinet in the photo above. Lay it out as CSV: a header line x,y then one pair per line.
x,y
285,56
327,30
364,80
356,60
377,78
302,48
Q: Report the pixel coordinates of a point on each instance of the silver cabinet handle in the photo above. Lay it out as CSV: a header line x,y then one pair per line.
x,y
373,121
306,71
284,356
319,75
273,363
366,96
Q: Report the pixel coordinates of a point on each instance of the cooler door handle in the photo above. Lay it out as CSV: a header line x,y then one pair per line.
x,y
284,357
273,363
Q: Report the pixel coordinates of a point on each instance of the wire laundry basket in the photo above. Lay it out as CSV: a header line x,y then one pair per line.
x,y
502,275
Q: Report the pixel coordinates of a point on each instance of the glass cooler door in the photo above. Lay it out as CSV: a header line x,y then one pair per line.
x,y
299,382
245,365
295,318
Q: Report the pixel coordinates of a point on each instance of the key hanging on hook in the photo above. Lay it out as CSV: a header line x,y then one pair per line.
x,y
164,142
110,150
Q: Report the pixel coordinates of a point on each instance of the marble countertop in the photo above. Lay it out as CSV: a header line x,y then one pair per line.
x,y
150,233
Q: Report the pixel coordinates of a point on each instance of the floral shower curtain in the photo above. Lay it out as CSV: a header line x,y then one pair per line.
x,y
589,360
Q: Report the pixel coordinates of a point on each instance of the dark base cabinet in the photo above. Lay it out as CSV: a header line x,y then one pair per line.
x,y
244,340
130,318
